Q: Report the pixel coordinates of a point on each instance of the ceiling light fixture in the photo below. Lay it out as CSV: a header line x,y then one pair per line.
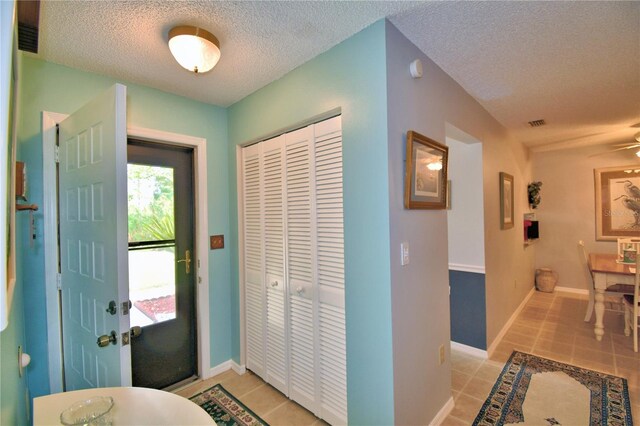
x,y
194,48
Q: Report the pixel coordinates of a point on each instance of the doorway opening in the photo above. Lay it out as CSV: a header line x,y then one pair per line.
x,y
199,256
162,281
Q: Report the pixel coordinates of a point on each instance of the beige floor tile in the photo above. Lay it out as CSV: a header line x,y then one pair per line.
x,y
596,366
553,356
453,421
635,411
518,338
489,371
466,408
523,328
510,347
241,385
590,342
291,414
500,355
583,354
632,376
263,399
628,363
467,365
478,388
459,380
543,345
634,396
558,336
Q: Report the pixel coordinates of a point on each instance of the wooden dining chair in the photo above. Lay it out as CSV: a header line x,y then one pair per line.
x,y
632,308
613,294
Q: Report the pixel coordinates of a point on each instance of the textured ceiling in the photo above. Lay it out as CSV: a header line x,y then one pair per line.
x,y
575,64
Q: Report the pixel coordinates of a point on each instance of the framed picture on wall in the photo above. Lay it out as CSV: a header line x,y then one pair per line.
x,y
617,199
425,177
506,201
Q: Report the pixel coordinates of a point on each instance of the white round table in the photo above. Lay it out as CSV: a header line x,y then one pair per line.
x,y
132,406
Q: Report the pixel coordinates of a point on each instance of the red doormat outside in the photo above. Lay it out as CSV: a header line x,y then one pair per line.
x,y
159,308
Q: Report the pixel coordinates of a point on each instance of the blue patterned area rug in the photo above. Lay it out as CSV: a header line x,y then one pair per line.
x,y
538,391
225,409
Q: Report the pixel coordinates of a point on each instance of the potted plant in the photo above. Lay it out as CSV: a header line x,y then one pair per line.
x,y
534,194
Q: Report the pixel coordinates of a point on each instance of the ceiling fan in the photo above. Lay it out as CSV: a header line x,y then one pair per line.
x,y
623,146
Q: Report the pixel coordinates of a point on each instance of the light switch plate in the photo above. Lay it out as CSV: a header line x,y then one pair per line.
x,y
404,252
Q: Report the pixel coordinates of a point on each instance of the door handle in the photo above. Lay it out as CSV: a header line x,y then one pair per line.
x,y
187,261
136,331
105,339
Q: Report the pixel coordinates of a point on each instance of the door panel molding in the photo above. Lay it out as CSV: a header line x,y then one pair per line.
x,y
49,122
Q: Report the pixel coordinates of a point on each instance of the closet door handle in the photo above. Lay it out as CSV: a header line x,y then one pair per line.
x,y
274,284
300,291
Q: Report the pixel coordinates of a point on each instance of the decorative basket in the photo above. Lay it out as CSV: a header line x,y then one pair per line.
x,y
546,280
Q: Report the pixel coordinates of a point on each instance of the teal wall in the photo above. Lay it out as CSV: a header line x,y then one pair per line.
x,y
350,76
13,408
49,87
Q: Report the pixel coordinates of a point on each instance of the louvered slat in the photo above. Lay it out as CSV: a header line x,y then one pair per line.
x,y
253,260
276,356
330,271
300,269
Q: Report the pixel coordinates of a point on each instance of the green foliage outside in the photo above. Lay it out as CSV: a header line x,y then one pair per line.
x,y
150,193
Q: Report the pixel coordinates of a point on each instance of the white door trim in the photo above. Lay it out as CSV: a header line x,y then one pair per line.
x,y
199,145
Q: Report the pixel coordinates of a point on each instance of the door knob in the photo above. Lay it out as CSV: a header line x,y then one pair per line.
x,y
187,261
136,331
274,284
105,339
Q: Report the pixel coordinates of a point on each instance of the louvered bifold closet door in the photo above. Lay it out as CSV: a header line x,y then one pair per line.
x,y
330,271
253,259
300,268
273,209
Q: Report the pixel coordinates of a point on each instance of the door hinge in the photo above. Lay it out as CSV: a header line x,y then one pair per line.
x,y
56,152
59,281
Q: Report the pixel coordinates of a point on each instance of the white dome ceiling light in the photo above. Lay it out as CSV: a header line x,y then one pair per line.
x,y
194,48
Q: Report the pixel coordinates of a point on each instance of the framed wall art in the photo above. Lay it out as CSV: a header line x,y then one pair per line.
x,y
617,202
425,178
506,201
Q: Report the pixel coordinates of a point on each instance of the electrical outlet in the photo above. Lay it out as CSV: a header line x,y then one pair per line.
x,y
441,358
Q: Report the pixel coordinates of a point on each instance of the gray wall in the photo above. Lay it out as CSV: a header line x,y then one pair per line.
x,y
419,291
466,217
567,211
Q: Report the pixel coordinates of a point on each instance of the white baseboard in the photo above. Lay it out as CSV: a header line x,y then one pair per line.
x,y
469,350
227,365
505,328
240,369
220,368
443,413
573,290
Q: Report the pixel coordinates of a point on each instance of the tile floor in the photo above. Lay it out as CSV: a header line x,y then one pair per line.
x,y
268,403
551,325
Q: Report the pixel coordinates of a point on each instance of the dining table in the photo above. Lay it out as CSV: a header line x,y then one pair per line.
x,y
607,270
131,406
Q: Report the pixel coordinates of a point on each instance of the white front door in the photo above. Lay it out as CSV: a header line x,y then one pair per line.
x,y
93,243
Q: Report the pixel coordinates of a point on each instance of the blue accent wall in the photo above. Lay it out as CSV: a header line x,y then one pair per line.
x,y
468,309
350,76
49,87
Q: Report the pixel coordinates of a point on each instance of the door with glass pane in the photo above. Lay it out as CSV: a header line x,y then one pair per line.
x,y
161,269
